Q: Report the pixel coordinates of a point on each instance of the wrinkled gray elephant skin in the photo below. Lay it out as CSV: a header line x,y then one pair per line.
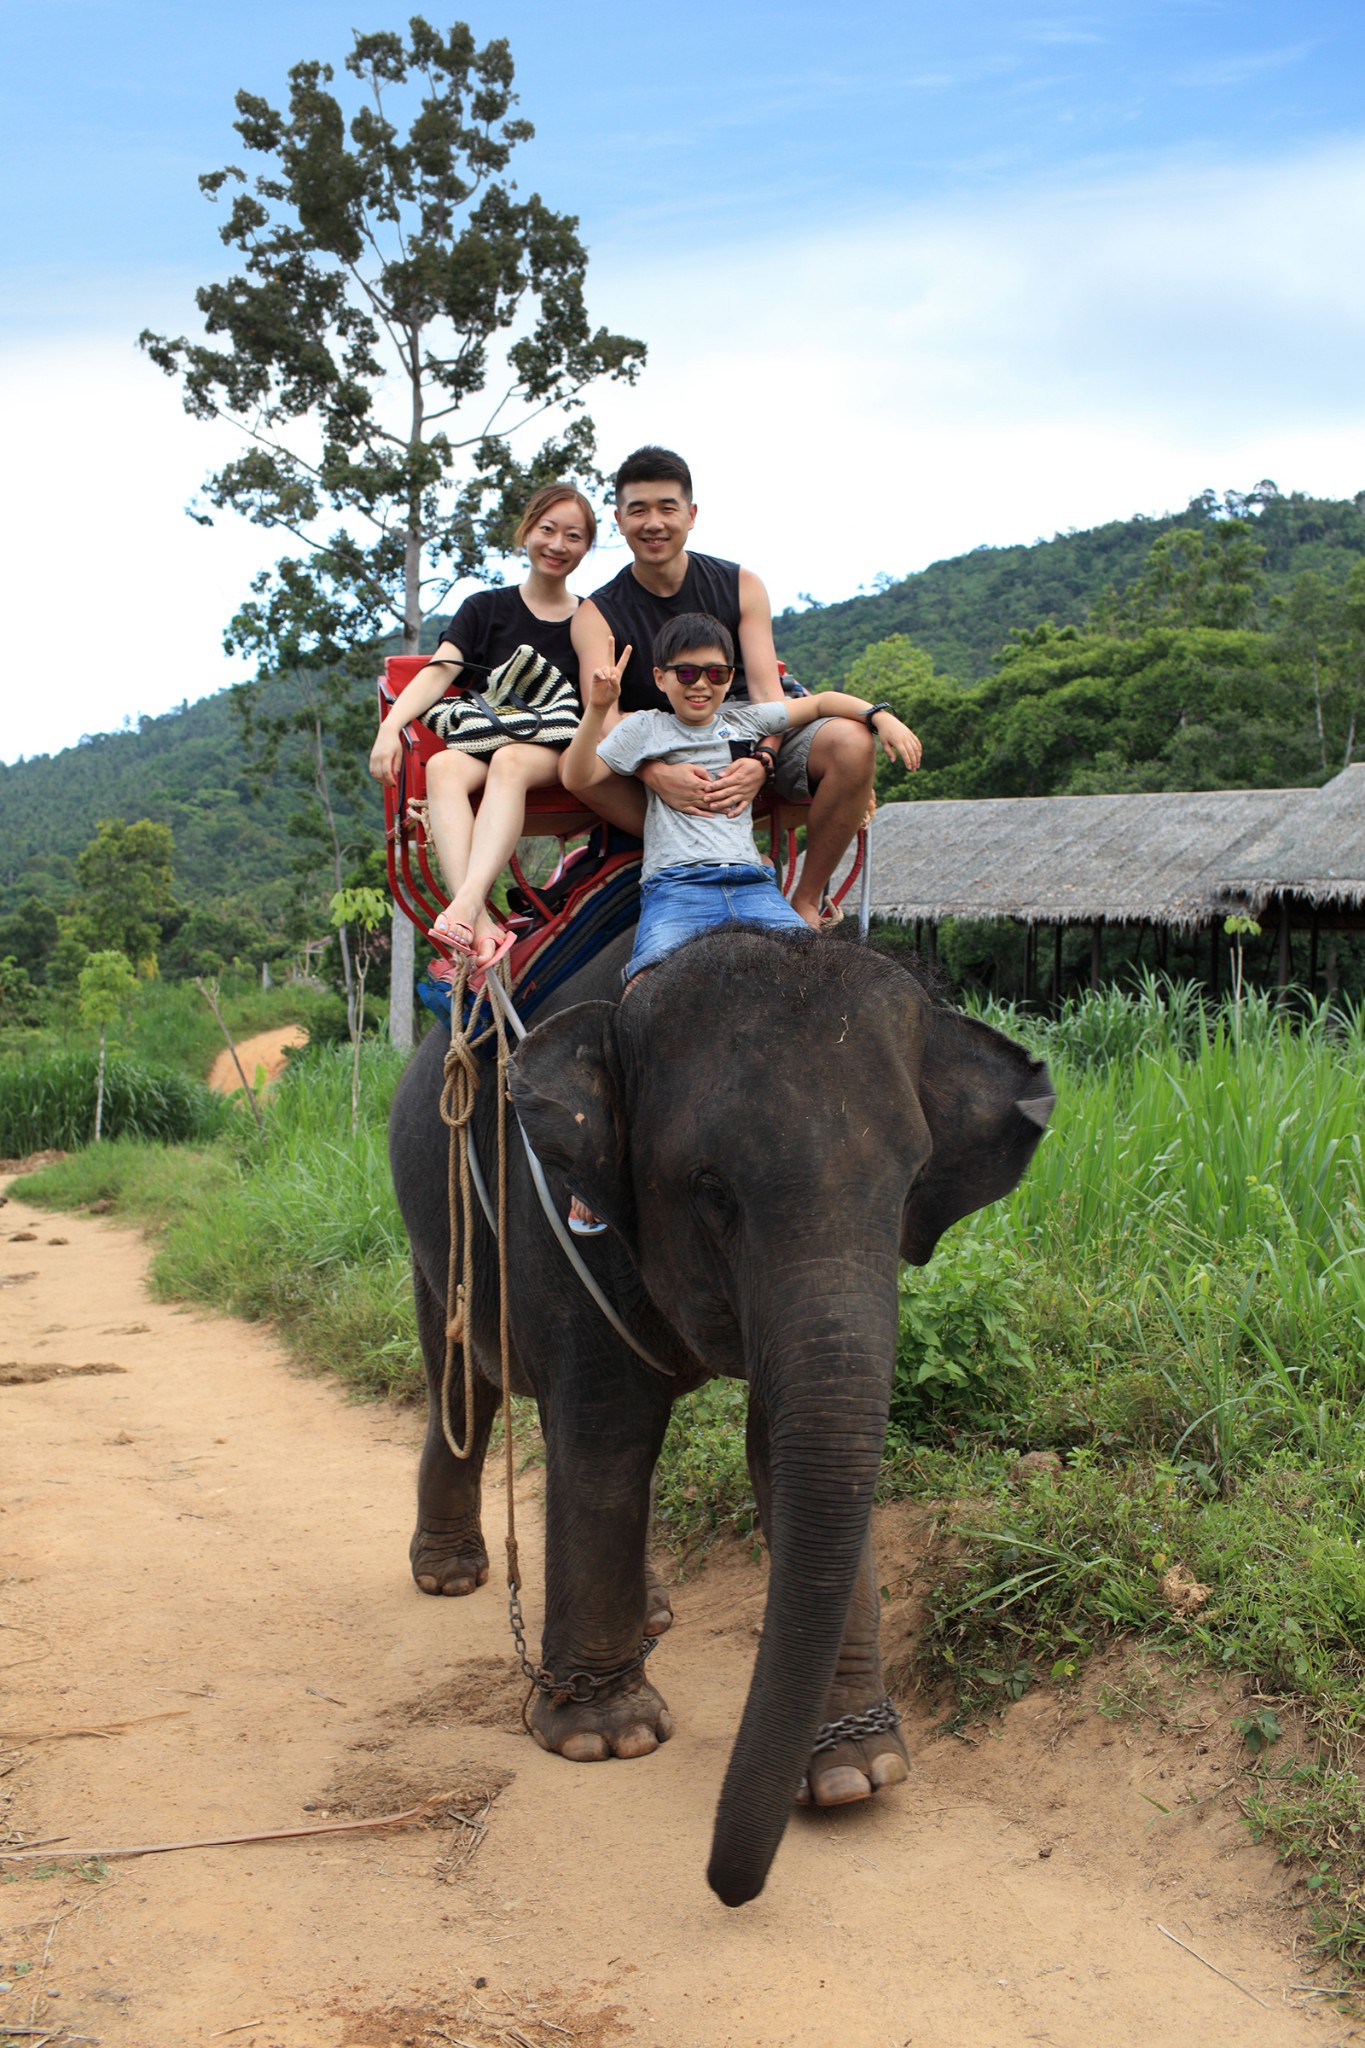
x,y
768,1124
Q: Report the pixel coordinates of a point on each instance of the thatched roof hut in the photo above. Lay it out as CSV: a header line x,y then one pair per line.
x,y
1175,860
1315,852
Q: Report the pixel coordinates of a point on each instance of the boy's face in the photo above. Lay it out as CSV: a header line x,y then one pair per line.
x,y
655,520
696,700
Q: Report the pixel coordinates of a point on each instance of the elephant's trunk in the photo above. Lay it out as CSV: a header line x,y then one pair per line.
x,y
824,1388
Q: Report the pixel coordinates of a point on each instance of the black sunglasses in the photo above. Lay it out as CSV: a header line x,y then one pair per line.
x,y
688,671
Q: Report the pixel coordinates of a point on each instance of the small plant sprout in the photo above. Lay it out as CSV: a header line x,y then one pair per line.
x,y
1259,1730
106,987
363,912
1239,927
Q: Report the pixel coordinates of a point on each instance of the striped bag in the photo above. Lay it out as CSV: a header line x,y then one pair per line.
x,y
526,699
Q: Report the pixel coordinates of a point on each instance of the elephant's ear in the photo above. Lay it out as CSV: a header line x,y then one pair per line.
x,y
986,1103
566,1084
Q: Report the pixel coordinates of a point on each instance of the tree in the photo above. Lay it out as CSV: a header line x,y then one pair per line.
x,y
124,875
363,910
107,984
377,263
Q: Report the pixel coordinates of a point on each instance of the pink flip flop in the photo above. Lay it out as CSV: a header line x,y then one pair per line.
x,y
446,935
505,942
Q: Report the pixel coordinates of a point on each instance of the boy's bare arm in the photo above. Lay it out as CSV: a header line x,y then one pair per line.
x,y
581,769
900,743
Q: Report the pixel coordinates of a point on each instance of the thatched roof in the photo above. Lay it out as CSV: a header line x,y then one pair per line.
x,y
1317,850
1174,859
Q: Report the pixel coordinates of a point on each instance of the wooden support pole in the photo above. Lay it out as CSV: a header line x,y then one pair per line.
x,y
1028,963
1313,952
1057,933
1163,936
1215,956
1284,959
1096,954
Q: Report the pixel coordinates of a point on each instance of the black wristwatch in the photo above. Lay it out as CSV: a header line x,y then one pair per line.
x,y
868,716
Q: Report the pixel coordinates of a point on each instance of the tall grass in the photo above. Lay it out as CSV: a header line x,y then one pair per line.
x,y
49,1102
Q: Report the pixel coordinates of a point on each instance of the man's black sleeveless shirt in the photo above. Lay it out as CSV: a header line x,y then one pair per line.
x,y
636,614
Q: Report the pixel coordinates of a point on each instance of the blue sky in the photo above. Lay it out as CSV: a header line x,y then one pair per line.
x,y
913,279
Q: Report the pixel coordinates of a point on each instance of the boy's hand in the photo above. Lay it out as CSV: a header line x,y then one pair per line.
x,y
900,743
604,684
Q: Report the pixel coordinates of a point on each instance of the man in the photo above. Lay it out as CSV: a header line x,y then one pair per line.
x,y
830,761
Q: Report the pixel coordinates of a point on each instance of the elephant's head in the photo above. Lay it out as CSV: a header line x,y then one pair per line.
x,y
769,1124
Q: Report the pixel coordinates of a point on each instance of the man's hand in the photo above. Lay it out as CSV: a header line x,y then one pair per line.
x,y
680,785
604,684
900,743
735,788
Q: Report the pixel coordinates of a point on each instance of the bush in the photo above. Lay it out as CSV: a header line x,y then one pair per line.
x,y
49,1103
961,1355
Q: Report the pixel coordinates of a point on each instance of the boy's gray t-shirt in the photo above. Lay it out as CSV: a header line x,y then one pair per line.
x,y
675,838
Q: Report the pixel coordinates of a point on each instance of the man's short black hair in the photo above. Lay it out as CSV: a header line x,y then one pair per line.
x,y
653,466
689,633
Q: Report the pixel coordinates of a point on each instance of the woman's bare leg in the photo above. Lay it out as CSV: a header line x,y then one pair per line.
x,y
453,780
501,820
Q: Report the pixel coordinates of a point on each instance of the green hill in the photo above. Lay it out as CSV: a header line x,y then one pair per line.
x,y
964,609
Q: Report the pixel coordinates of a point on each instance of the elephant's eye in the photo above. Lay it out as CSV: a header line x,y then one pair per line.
x,y
712,1195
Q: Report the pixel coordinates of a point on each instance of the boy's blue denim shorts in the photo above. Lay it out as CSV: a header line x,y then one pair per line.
x,y
681,901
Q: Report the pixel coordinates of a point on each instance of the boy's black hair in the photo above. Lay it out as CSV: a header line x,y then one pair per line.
x,y
688,634
652,466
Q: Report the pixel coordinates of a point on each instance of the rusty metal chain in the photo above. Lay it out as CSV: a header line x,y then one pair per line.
x,y
878,1720
580,1686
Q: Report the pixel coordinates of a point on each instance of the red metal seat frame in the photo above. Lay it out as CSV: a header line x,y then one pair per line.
x,y
550,813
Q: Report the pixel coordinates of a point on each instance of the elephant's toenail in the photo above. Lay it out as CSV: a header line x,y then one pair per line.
x,y
889,1770
841,1786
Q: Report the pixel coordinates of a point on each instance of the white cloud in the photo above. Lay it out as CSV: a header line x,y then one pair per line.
x,y
981,372
119,599
994,372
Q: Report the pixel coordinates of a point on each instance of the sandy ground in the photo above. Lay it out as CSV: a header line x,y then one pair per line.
x,y
190,1529
263,1056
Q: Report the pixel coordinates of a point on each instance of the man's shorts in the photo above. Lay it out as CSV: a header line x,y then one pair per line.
x,y
792,779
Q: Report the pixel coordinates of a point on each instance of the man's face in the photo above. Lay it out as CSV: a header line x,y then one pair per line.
x,y
655,520
695,698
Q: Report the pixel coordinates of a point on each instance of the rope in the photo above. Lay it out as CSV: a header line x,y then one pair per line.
x,y
504,1347
459,1088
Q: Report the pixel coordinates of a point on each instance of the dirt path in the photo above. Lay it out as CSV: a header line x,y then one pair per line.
x,y
195,1529
265,1052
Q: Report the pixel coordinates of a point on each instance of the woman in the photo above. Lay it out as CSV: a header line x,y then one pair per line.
x,y
556,530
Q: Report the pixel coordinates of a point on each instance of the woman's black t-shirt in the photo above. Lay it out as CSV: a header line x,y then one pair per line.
x,y
492,624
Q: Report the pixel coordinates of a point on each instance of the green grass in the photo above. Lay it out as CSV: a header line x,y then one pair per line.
x,y
48,1102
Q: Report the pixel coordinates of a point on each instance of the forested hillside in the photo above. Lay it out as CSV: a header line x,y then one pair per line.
x,y
961,611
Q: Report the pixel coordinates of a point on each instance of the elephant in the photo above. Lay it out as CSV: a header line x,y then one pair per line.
x,y
767,1123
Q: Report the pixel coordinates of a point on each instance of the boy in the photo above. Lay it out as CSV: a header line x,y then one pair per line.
x,y
701,865
830,765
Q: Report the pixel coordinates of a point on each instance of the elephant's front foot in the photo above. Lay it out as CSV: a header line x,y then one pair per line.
x,y
855,1766
631,1721
448,1556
